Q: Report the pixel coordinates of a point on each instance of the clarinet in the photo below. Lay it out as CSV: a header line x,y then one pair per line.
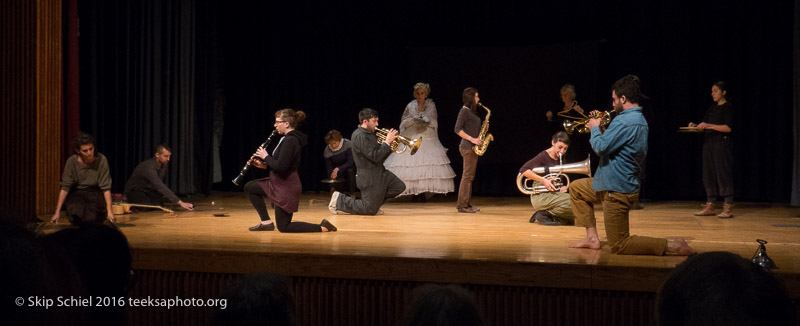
x,y
249,163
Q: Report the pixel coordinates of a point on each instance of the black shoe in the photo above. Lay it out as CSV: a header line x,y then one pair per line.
x,y
545,218
263,227
327,225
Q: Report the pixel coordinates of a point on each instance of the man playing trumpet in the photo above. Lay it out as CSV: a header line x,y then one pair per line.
x,y
375,182
622,149
552,206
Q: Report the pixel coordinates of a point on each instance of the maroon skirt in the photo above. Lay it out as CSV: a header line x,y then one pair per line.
x,y
283,192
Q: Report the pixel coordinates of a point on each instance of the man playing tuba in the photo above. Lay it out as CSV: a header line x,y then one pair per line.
x,y
552,203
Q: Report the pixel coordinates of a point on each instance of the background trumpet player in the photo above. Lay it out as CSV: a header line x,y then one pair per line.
x,y
552,207
468,126
570,110
568,96
375,182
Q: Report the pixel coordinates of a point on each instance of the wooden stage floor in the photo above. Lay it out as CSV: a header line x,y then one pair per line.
x,y
431,242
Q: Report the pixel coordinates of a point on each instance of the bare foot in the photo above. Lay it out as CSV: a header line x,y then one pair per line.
x,y
590,243
679,247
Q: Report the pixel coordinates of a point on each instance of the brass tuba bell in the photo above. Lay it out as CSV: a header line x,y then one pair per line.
x,y
554,173
406,143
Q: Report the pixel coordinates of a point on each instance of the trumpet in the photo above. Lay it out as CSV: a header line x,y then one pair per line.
x,y
580,124
406,143
555,174
249,163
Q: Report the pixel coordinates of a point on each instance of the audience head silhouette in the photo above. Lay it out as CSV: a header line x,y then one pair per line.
x,y
442,305
257,299
721,288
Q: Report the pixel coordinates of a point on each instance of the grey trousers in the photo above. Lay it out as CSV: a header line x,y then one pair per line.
x,y
373,194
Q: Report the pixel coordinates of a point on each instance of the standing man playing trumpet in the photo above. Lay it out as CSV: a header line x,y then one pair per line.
x,y
375,182
622,148
552,206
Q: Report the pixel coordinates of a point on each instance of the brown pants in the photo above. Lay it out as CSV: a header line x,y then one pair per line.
x,y
465,188
616,207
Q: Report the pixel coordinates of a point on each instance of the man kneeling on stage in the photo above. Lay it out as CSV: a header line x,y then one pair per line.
x,y
622,149
375,182
552,206
146,184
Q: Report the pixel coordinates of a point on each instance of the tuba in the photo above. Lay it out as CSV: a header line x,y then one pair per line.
x,y
413,144
580,124
555,174
484,135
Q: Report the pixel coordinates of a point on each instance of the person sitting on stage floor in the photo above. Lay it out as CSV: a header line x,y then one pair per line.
x,y
339,161
283,186
375,182
85,184
622,148
722,288
146,184
552,207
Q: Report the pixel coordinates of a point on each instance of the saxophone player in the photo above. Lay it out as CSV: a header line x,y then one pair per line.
x,y
468,126
552,207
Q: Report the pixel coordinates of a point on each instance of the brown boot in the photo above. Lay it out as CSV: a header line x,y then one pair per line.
x,y
726,211
708,210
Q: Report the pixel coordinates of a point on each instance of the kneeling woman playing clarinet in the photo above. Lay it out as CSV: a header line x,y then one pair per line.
x,y
282,187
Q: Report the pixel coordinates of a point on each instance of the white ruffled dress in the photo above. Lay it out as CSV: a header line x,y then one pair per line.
x,y
429,169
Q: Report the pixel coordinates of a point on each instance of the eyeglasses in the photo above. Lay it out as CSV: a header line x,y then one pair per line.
x,y
280,121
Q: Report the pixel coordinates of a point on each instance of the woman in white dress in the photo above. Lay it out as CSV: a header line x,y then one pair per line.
x,y
427,171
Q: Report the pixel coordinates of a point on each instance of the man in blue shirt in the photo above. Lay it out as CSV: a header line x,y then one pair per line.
x,y
622,149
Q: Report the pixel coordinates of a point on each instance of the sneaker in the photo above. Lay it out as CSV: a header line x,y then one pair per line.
x,y
708,210
332,204
468,209
726,211
263,227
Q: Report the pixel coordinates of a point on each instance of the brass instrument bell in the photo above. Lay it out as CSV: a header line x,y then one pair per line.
x,y
413,144
555,174
570,124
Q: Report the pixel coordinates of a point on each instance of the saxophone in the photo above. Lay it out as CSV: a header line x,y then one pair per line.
x,y
484,135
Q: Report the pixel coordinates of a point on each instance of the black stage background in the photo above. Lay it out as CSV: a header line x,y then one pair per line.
x,y
156,71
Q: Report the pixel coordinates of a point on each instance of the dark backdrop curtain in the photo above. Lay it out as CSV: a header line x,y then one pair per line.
x,y
796,108
151,72
333,60
148,75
